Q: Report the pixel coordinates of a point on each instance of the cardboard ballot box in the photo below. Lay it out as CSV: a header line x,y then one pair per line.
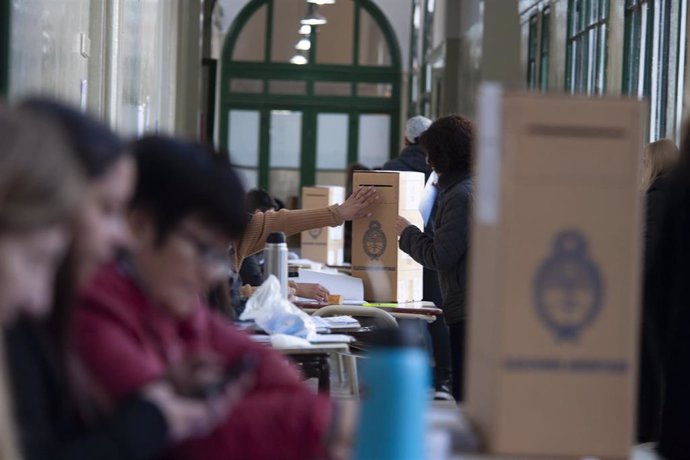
x,y
323,244
389,275
555,275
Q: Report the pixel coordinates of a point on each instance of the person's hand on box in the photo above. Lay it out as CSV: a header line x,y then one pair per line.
x,y
401,224
357,205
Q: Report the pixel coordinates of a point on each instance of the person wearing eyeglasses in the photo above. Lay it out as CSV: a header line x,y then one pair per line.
x,y
145,314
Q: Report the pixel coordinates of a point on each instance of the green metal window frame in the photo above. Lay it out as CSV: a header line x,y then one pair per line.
x,y
641,78
413,74
310,103
544,48
4,47
635,12
532,50
587,46
425,70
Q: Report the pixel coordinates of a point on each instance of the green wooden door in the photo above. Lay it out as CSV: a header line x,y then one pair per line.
x,y
288,125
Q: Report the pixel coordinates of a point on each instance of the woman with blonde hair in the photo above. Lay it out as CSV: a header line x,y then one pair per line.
x,y
659,159
40,188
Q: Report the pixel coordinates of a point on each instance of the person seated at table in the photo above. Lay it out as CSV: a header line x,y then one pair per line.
x,y
142,315
51,402
448,144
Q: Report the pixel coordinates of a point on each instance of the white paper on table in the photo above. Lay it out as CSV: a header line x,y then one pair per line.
x,y
349,287
306,263
331,338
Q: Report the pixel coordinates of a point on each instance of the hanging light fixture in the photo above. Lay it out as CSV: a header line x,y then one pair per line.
x,y
305,30
303,45
299,59
322,2
313,18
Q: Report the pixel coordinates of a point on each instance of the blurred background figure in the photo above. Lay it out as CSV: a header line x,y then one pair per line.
x,y
666,316
659,160
57,414
40,188
412,157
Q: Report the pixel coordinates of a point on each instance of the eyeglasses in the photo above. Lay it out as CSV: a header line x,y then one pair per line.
x,y
208,255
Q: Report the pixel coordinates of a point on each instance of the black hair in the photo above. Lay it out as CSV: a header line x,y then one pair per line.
x,y
96,146
178,179
448,143
260,200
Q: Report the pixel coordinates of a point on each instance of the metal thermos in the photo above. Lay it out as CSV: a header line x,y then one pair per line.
x,y
275,260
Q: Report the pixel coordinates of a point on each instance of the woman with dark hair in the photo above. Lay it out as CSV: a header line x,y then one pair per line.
x,y
448,144
145,313
52,402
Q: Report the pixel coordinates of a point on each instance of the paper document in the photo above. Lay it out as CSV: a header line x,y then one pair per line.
x,y
349,287
331,338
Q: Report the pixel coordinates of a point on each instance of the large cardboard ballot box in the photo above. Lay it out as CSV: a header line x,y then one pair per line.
x,y
325,244
389,275
555,279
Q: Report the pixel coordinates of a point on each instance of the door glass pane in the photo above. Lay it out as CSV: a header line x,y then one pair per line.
x,y
284,183
331,178
286,23
250,177
373,49
294,87
286,139
329,88
246,85
374,139
331,140
251,43
243,136
335,39
374,89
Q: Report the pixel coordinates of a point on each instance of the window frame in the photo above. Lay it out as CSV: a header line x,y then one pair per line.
x,y
589,31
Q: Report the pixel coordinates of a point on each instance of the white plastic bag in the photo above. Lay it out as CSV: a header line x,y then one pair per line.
x,y
275,314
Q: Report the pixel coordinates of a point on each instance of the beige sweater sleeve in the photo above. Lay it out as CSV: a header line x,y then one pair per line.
x,y
287,221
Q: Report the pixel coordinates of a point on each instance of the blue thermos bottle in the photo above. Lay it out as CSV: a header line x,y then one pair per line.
x,y
396,390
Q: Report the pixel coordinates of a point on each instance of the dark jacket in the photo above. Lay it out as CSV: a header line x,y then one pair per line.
x,y
251,271
654,329
667,281
50,425
412,158
446,250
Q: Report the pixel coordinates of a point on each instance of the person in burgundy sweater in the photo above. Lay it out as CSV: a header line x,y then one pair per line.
x,y
144,315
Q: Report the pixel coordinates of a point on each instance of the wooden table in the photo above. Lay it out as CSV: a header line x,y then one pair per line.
x,y
423,310
314,361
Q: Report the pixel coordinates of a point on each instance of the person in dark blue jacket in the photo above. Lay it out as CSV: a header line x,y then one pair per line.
x,y
413,158
448,144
